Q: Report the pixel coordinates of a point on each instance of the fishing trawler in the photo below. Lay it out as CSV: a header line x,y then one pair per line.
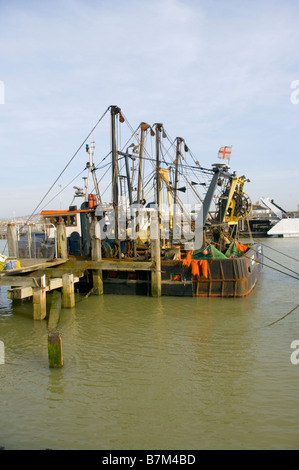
x,y
197,211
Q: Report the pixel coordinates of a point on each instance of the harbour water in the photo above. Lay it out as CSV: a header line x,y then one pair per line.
x,y
166,373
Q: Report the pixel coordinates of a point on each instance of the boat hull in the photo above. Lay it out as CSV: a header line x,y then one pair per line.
x,y
231,277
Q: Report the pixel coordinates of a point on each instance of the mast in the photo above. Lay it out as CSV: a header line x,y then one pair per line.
x,y
91,170
178,144
176,178
115,110
129,185
143,128
158,142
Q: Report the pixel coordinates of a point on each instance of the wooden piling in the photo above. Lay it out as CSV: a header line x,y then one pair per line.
x,y
96,255
62,241
39,303
55,354
39,300
156,258
55,310
68,291
12,240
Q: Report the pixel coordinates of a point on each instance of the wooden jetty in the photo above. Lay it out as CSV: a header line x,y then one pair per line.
x,y
122,243
36,277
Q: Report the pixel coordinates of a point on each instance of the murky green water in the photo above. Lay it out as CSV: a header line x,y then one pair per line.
x,y
168,373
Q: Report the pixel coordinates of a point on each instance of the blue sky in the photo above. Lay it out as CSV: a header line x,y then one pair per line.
x,y
214,72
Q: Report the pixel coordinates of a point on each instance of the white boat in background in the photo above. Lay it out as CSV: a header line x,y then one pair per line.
x,y
288,222
286,228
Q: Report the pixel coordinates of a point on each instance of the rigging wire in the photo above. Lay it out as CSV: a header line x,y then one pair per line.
x,y
280,252
266,265
66,186
276,262
66,166
272,267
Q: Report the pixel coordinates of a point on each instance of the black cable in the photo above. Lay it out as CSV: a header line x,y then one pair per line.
x,y
67,165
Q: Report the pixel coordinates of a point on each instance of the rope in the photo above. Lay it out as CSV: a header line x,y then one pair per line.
x,y
272,323
289,313
288,256
285,267
66,166
271,267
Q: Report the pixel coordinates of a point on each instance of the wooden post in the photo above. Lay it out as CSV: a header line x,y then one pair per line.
x,y
12,240
55,310
55,349
96,255
68,291
39,303
29,241
156,257
62,241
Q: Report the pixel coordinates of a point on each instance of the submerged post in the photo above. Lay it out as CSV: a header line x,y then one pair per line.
x,y
55,354
156,256
96,255
55,310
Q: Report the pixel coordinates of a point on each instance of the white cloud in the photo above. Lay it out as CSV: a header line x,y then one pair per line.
x,y
208,72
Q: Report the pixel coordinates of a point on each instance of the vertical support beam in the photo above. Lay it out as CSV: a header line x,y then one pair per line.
x,y
55,350
55,310
156,257
39,303
96,255
68,291
62,241
12,240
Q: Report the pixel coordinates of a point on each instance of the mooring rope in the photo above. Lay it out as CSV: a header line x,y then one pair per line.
x,y
284,316
283,266
280,252
271,267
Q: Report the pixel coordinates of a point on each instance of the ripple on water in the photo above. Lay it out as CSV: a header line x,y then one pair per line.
x,y
155,373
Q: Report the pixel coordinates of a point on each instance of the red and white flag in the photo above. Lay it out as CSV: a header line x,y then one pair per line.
x,y
225,153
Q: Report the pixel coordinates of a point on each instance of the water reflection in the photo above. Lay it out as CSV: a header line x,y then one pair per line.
x,y
144,373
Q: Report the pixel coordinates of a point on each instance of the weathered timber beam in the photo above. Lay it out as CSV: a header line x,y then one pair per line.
x,y
58,272
109,265
55,310
55,354
77,267
18,293
19,281
33,267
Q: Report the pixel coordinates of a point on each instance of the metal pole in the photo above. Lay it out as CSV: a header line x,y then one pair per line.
x,y
158,140
178,144
114,112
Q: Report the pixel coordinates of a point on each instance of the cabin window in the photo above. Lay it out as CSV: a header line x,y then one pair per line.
x,y
73,220
69,220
